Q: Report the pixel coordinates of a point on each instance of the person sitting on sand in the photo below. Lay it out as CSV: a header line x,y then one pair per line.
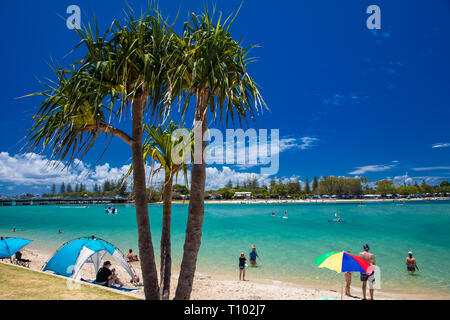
x,y
242,260
19,257
253,254
131,257
106,276
411,264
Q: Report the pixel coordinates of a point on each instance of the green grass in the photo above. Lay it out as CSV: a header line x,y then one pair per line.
x,y
21,284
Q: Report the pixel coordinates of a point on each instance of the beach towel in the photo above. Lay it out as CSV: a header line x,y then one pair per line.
x,y
114,286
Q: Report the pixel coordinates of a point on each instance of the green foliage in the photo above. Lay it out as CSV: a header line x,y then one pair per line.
x,y
125,62
63,188
182,189
315,185
340,186
408,190
385,187
425,188
226,193
307,186
211,62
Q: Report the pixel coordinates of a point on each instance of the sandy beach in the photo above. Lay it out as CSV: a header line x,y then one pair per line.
x,y
213,287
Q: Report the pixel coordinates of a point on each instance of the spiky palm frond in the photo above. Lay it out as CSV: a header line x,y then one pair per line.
x,y
94,93
170,148
212,61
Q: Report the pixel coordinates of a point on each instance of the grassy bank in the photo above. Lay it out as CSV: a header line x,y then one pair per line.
x,y
22,284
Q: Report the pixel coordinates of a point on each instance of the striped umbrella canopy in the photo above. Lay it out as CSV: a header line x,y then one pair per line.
x,y
343,262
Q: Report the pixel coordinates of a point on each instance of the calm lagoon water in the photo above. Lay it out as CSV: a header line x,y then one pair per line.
x,y
287,247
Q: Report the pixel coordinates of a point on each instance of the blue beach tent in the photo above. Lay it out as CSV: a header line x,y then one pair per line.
x,y
71,256
9,246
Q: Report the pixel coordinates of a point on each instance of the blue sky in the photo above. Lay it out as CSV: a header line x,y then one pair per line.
x,y
348,101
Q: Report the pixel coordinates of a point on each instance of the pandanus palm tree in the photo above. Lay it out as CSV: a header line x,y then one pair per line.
x,y
123,75
213,68
169,148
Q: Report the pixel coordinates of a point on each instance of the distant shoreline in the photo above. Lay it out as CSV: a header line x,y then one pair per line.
x,y
105,202
318,201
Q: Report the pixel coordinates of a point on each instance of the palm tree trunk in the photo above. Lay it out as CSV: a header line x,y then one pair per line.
x,y
196,206
146,253
166,257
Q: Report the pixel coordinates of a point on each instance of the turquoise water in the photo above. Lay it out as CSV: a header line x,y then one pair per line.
x,y
287,247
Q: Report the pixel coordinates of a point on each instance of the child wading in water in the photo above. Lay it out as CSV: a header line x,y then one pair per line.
x,y
242,260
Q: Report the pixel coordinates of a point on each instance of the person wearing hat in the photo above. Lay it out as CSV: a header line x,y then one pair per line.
x,y
106,276
411,264
253,255
364,277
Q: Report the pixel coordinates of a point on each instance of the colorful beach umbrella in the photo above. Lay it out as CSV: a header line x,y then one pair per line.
x,y
9,246
343,262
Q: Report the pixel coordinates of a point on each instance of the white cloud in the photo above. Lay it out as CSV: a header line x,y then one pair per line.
x,y
253,152
431,180
34,169
441,145
217,178
308,142
374,168
431,168
403,179
339,99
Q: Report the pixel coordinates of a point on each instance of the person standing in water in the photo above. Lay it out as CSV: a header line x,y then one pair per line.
x,y
369,257
242,260
273,214
253,255
411,264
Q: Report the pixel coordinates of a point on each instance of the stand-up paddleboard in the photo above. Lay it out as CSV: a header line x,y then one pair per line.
x,y
284,217
336,221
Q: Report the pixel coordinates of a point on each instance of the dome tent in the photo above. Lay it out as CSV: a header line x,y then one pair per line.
x,y
71,256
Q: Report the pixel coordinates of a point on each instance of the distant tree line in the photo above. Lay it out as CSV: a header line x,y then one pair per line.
x,y
109,188
387,186
328,185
